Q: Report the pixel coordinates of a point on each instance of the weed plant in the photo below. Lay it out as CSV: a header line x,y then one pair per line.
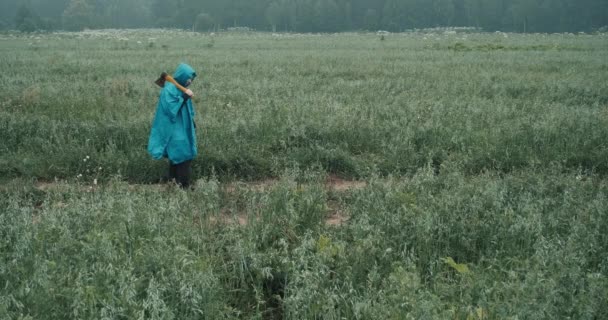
x,y
530,245
349,103
483,157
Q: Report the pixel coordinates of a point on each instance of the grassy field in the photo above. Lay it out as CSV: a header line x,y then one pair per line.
x,y
424,176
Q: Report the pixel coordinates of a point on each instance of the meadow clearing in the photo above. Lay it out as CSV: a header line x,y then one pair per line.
x,y
429,175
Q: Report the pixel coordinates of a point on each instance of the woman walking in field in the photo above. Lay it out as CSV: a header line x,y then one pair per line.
x,y
173,133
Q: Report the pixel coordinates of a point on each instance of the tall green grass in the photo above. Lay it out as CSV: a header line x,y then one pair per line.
x,y
350,103
484,158
530,245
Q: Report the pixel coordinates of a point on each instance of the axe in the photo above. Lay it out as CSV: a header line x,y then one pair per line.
x,y
164,77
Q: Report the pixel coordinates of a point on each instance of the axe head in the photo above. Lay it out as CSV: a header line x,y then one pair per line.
x,y
161,81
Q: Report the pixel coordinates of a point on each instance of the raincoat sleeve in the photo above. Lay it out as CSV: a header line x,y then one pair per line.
x,y
171,101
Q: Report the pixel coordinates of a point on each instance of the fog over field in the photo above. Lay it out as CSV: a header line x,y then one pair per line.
x,y
307,15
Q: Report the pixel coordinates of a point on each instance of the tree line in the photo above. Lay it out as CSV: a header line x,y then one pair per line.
x,y
307,15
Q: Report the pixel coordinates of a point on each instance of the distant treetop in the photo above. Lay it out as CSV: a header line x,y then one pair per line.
x,y
308,15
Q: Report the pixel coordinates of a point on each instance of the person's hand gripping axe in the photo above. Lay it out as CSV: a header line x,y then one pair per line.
x,y
164,77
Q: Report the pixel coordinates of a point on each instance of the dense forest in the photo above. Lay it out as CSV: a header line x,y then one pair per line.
x,y
307,15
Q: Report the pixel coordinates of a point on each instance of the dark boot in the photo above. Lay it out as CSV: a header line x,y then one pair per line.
x,y
171,174
172,171
183,172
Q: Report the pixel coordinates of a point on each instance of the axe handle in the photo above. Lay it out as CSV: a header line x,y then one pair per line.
x,y
179,86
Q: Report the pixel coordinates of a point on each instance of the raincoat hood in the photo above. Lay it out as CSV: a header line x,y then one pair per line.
x,y
183,73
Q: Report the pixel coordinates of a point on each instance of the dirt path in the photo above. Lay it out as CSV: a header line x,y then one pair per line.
x,y
336,215
333,183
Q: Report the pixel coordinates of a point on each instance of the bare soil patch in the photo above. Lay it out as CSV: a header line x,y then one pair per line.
x,y
337,215
341,185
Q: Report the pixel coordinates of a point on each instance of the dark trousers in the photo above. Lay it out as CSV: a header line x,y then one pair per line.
x,y
181,172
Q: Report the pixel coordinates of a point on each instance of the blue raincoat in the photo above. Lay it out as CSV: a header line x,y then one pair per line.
x,y
173,134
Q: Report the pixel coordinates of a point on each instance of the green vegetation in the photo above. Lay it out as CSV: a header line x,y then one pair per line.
x,y
352,104
481,160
